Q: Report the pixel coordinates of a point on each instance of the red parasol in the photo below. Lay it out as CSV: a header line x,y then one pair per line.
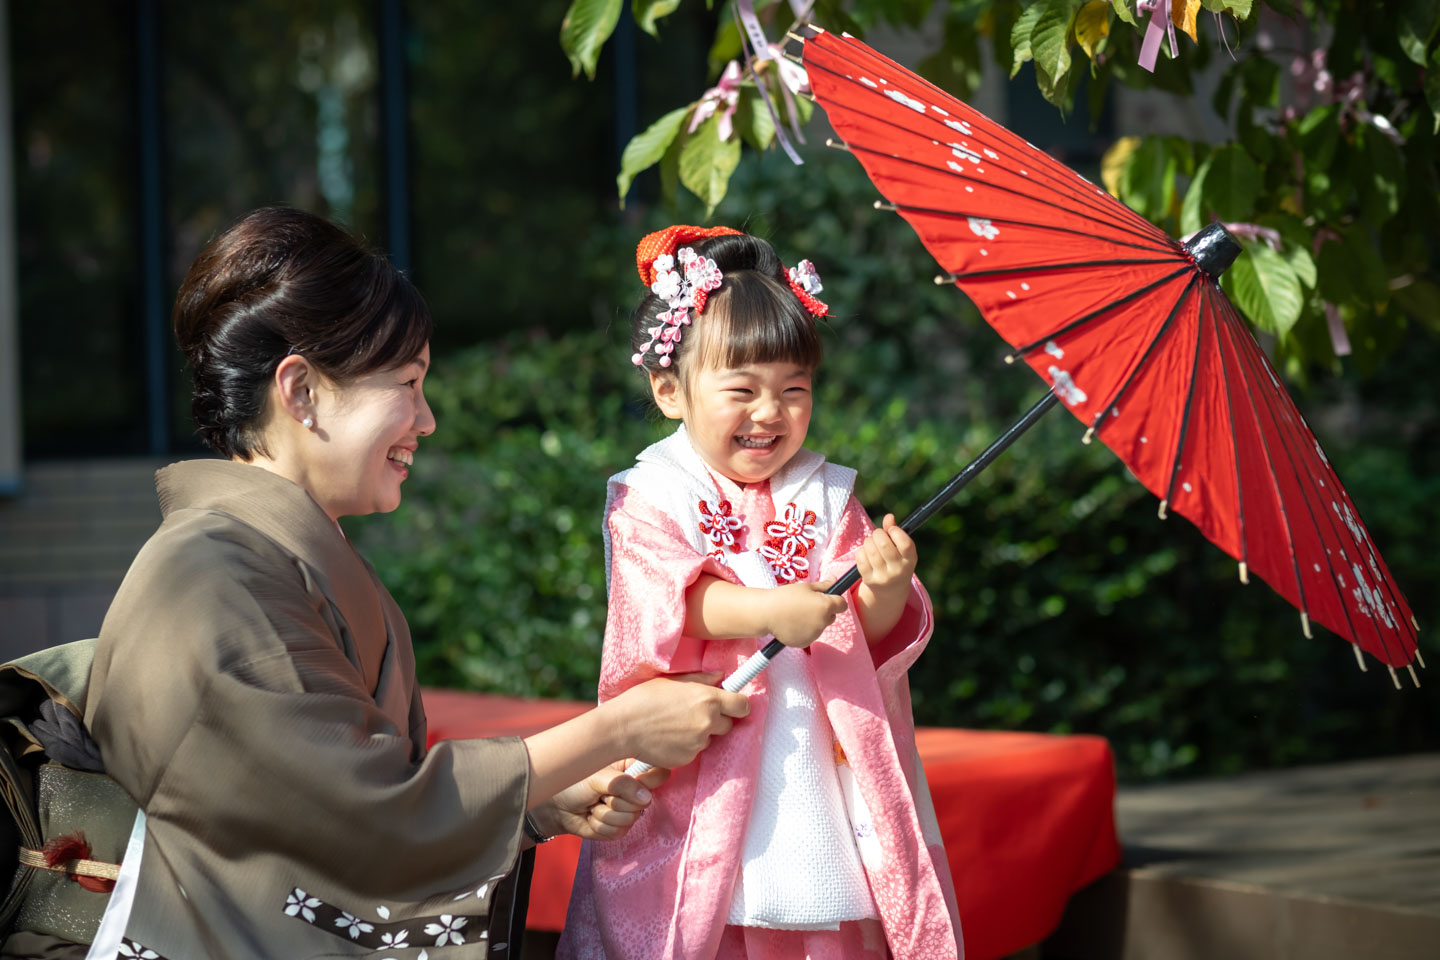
x,y
1132,332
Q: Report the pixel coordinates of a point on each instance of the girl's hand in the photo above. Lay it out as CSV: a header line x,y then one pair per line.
x,y
667,722
800,612
603,806
887,558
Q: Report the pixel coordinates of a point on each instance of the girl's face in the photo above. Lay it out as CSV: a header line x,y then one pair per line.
x,y
745,422
370,430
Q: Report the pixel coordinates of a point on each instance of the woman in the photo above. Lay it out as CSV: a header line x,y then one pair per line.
x,y
254,685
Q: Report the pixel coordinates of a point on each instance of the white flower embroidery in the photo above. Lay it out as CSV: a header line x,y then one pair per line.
x,y
134,951
300,903
397,940
804,275
794,528
353,925
788,562
983,228
447,930
383,911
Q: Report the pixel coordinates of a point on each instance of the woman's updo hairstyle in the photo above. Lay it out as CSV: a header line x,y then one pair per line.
x,y
753,317
284,281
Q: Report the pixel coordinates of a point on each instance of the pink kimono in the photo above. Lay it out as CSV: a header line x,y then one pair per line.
x,y
667,888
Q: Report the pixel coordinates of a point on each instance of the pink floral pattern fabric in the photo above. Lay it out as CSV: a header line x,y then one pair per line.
x,y
664,890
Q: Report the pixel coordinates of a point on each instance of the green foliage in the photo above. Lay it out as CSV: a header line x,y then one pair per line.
x,y
586,27
1063,604
1340,140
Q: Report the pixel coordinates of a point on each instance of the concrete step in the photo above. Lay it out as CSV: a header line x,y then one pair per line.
x,y
1328,862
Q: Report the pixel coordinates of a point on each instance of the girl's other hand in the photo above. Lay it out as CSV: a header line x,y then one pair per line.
x,y
887,558
603,806
669,721
800,612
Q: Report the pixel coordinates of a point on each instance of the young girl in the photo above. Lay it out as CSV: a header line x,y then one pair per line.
x,y
723,535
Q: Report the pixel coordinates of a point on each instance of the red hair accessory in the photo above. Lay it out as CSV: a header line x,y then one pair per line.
x,y
685,290
806,283
665,242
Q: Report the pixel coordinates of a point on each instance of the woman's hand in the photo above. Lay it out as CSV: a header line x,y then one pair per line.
x,y
603,806
667,722
800,612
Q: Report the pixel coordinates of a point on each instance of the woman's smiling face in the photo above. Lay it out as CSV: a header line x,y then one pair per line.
x,y
370,428
745,422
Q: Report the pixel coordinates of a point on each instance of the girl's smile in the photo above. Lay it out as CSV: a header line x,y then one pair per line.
x,y
745,422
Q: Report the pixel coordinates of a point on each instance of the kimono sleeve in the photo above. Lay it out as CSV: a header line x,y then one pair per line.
x,y
903,644
652,564
223,703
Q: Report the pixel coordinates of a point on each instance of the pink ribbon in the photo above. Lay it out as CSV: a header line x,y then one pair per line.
x,y
757,47
1150,47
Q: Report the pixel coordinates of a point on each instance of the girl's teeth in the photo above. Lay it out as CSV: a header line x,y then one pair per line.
x,y
402,456
756,442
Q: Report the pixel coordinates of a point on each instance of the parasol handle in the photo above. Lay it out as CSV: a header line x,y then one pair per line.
x,y
758,661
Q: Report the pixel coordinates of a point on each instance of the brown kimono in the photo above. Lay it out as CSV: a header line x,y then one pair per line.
x,y
254,690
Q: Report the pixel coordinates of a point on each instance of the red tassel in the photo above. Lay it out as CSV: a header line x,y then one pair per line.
x,y
62,849
59,851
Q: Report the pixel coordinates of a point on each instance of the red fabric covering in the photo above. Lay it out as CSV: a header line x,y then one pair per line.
x,y
1028,818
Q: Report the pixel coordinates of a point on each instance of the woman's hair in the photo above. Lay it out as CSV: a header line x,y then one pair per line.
x,y
753,317
283,281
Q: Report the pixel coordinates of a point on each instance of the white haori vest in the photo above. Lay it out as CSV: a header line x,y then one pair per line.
x,y
801,867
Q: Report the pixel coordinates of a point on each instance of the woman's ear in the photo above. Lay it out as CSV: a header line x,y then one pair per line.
x,y
665,388
295,381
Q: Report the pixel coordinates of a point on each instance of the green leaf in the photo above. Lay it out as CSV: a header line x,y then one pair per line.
x,y
646,149
1224,94
1420,299
1147,184
1125,10
1260,81
586,27
1050,43
1264,286
1092,25
1020,35
1382,184
1193,212
1432,87
706,163
1334,283
1296,240
752,119
670,171
1232,183
727,47
648,11
1366,264
1239,9
1416,24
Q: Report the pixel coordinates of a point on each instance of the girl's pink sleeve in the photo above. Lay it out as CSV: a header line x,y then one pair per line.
x,y
903,644
652,564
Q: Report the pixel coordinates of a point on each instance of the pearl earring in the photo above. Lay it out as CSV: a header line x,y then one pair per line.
x,y
308,422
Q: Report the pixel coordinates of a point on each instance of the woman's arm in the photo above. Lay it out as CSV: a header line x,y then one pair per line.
x,y
664,722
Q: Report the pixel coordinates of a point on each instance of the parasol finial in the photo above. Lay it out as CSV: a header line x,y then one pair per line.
x,y
1214,249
